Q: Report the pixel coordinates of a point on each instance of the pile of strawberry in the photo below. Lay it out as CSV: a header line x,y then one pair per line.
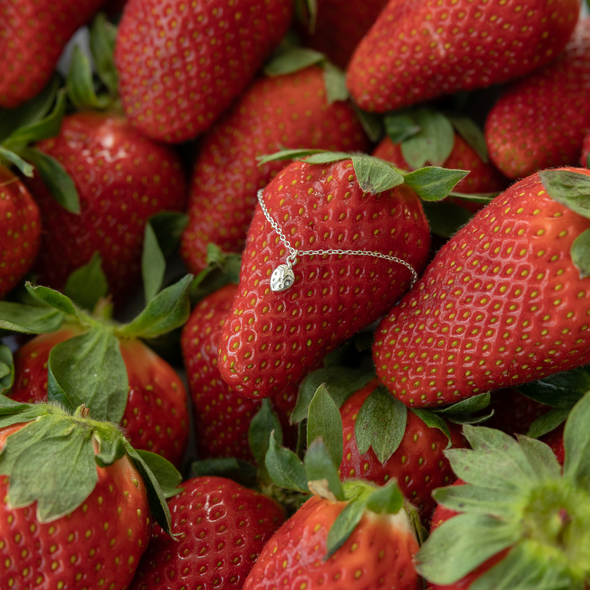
x,y
363,233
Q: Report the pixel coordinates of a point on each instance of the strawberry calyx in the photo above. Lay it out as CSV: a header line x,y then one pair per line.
x,y
222,268
516,499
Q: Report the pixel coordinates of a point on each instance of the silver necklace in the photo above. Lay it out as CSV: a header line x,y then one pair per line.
x,y
283,276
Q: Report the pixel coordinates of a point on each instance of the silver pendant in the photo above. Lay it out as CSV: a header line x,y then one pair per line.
x,y
282,278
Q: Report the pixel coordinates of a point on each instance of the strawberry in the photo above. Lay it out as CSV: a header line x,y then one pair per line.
x,y
418,463
181,64
501,304
423,49
266,118
514,413
33,34
541,120
222,417
271,339
19,232
222,527
122,179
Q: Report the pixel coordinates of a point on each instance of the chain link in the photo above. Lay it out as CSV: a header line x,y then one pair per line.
x,y
293,253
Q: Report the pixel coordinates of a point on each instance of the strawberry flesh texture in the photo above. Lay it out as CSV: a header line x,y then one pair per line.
x,y
418,464
541,121
421,49
122,178
222,417
156,417
222,529
501,304
20,230
181,64
378,554
267,119
272,340
33,34
98,544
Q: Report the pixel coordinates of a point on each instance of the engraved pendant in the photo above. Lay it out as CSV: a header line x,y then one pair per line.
x,y
282,278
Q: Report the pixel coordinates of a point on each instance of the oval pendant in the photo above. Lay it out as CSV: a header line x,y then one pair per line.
x,y
282,278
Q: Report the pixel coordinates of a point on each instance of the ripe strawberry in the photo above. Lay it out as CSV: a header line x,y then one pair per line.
x,y
33,34
122,178
222,528
542,119
181,64
378,553
501,304
423,49
20,230
555,440
222,417
156,416
418,464
514,413
272,340
266,118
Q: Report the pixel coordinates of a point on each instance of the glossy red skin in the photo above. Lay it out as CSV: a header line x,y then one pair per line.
x,y
274,339
100,542
339,27
376,555
20,230
156,417
33,34
222,417
514,413
181,64
540,122
222,529
475,322
482,177
122,178
421,49
418,464
555,440
289,111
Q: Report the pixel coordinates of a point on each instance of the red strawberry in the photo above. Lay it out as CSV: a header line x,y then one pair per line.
x,y
156,416
541,120
418,464
222,529
378,553
272,339
423,49
181,64
227,174
122,178
555,440
222,417
501,304
514,413
33,34
19,230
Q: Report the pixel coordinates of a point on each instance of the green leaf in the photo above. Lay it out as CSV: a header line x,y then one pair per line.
x,y
223,268
111,449
6,369
482,198
324,157
381,424
561,390
335,81
89,370
58,181
168,227
576,440
548,422
433,420
465,411
103,36
319,465
433,143
370,122
29,319
571,189
400,126
580,253
341,383
290,155
375,175
434,184
325,422
541,457
285,468
167,475
293,60
52,298
15,159
503,504
168,310
87,284
153,263
231,468
445,218
472,134
344,526
80,85
262,425
387,499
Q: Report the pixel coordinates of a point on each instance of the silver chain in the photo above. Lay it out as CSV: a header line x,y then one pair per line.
x,y
293,252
